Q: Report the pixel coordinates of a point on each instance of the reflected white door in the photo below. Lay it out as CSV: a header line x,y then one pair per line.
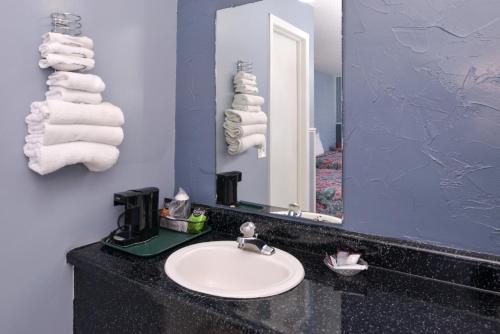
x,y
288,116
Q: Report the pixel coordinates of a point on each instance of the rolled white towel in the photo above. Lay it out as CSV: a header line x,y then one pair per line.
x,y
246,89
245,117
78,41
248,100
72,95
52,134
239,145
66,63
87,82
47,159
63,49
245,75
60,112
236,130
245,82
247,108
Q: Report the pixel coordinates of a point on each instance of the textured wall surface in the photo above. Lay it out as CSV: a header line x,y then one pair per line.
x,y
243,33
325,107
422,120
43,217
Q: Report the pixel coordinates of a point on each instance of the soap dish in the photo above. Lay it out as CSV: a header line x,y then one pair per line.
x,y
345,269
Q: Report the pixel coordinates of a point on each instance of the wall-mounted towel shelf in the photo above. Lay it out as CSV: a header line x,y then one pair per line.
x,y
66,23
244,66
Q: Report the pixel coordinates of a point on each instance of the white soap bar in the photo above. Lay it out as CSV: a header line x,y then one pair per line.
x,y
342,258
353,258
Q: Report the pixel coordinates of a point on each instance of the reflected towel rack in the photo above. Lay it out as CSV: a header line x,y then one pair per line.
x,y
244,66
66,23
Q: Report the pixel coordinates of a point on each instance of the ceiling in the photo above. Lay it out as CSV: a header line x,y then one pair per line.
x,y
328,36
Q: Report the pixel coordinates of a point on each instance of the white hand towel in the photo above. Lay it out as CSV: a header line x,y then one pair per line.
x,y
52,134
240,145
60,112
79,41
245,75
63,49
87,82
246,89
236,130
245,117
248,100
72,95
47,159
66,63
245,82
247,108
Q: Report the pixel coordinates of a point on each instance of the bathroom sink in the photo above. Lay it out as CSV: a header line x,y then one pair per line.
x,y
313,216
220,268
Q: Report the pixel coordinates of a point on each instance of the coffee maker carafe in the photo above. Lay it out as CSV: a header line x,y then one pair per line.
x,y
139,220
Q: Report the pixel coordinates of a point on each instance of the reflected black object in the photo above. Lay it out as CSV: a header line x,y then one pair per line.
x,y
227,188
140,216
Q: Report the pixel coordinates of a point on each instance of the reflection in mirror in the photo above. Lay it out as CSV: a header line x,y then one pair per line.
x,y
279,108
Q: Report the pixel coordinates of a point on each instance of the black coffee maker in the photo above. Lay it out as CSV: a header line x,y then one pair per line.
x,y
139,222
227,188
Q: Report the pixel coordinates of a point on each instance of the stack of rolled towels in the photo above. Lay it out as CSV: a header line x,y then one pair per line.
x,y
245,123
73,125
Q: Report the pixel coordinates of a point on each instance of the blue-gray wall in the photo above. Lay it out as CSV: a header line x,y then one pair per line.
x,y
325,107
243,33
421,134
42,217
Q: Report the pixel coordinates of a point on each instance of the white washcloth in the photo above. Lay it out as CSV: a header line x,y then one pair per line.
x,y
63,49
47,159
87,82
239,145
245,117
246,89
66,63
247,108
245,82
248,100
245,75
60,112
72,95
236,130
52,134
78,41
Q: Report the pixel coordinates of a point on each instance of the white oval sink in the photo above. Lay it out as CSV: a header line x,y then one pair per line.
x,y
220,268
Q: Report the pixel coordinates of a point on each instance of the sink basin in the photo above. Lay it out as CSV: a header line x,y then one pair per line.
x,y
313,216
220,268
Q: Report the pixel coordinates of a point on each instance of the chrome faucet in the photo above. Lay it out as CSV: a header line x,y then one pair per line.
x,y
249,240
294,210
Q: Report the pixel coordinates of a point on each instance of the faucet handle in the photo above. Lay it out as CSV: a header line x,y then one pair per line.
x,y
247,229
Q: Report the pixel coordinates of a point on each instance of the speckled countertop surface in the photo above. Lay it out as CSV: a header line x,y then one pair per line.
x,y
376,301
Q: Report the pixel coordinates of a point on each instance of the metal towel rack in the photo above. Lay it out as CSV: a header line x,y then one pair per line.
x,y
66,23
244,66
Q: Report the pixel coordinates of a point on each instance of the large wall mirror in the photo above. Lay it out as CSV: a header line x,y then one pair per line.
x,y
279,107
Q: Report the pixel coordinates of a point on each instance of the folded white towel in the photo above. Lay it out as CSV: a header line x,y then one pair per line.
x,y
248,100
47,159
79,41
66,63
245,82
63,49
247,108
245,117
87,82
52,134
239,145
236,130
60,112
245,75
246,89
72,95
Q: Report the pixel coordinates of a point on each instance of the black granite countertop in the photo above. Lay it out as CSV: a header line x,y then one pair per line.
x,y
376,301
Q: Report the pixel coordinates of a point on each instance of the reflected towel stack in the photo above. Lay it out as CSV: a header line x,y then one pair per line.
x,y
245,124
73,125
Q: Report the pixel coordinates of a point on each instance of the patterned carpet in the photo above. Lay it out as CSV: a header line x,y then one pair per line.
x,y
329,183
